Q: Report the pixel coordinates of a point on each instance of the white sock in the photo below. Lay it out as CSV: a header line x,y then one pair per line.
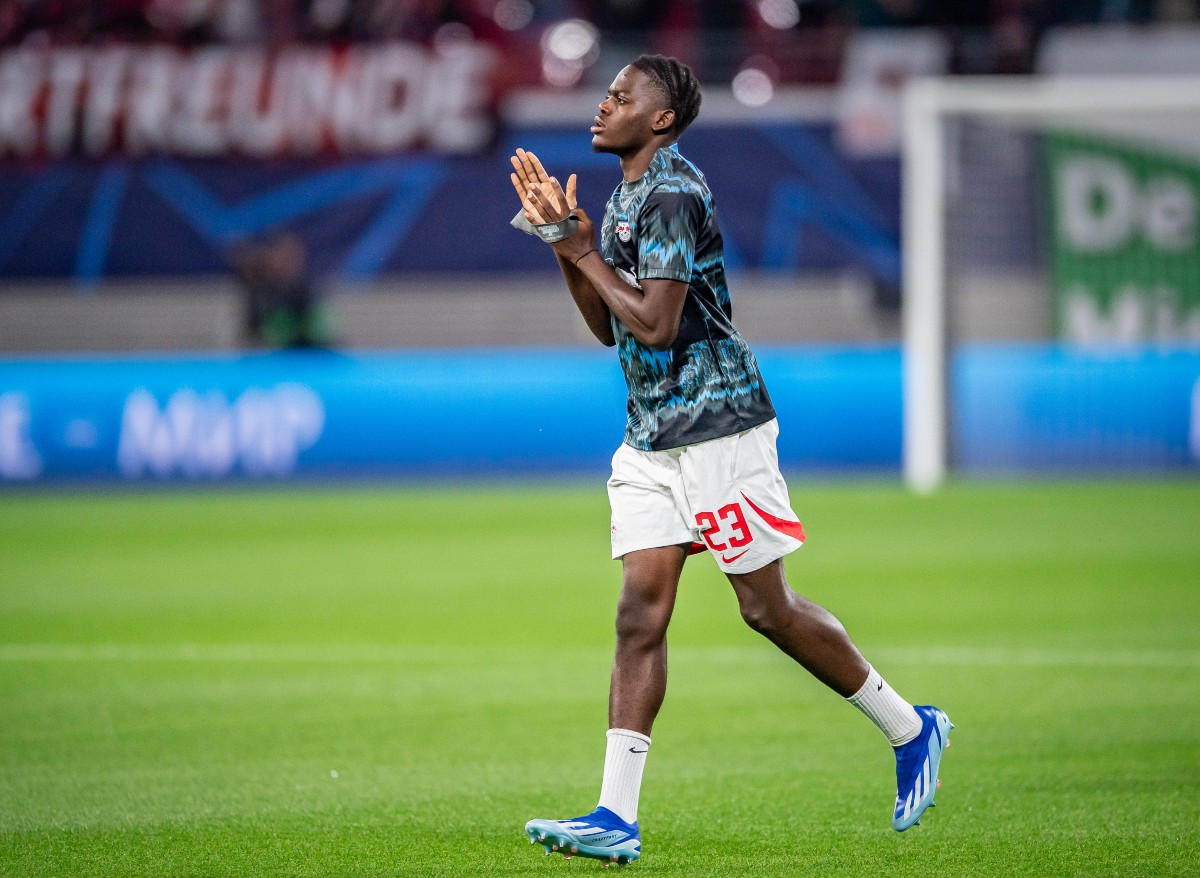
x,y
623,764
893,715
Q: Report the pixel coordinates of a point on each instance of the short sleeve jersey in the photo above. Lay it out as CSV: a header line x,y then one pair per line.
x,y
707,384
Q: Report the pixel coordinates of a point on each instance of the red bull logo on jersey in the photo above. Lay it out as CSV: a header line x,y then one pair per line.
x,y
624,231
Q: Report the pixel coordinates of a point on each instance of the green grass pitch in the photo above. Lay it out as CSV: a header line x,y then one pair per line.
x,y
390,681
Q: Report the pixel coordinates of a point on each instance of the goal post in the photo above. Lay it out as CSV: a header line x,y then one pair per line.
x,y
936,169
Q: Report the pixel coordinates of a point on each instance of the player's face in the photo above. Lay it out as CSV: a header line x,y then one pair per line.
x,y
628,113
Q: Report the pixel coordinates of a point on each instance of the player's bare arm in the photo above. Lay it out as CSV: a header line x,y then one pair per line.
x,y
595,312
529,176
651,313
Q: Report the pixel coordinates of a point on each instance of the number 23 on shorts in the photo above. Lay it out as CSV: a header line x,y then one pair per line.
x,y
729,523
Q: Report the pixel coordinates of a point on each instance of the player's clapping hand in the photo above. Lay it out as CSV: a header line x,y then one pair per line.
x,y
542,198
545,202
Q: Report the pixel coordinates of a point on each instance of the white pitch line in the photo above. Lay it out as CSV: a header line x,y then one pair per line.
x,y
208,652
1042,657
968,656
383,653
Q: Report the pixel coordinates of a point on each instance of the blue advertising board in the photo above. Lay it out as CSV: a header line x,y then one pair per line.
x,y
546,412
1054,407
433,413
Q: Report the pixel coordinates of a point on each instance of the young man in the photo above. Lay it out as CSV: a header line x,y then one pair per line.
x,y
698,468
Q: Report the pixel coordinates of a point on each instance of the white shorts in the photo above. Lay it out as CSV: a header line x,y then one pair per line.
x,y
726,495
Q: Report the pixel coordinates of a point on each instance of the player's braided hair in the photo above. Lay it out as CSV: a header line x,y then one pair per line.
x,y
678,85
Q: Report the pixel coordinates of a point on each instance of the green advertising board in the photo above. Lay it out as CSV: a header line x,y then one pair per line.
x,y
1125,248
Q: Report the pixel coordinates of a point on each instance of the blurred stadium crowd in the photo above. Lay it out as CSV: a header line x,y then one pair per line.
x,y
803,40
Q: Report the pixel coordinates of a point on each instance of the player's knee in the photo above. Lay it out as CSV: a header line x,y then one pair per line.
x,y
758,614
641,623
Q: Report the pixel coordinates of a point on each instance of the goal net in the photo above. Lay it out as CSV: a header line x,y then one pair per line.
x,y
1051,275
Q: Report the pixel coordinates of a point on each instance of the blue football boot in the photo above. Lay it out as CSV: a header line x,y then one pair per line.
x,y
917,767
601,835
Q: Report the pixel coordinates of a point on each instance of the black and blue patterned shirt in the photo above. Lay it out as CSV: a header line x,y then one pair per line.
x,y
707,384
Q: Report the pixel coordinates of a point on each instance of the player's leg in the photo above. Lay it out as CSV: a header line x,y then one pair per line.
x,y
650,535
814,637
639,682
804,630
743,512
650,582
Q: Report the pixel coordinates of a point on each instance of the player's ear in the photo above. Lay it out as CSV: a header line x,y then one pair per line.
x,y
663,121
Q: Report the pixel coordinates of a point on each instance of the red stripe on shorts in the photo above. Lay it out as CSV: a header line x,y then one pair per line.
x,y
793,529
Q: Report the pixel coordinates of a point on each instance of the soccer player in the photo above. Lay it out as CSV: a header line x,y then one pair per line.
x,y
698,468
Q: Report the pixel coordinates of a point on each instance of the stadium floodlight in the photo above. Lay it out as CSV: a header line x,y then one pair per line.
x,y
981,178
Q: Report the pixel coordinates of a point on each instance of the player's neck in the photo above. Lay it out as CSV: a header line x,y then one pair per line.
x,y
636,163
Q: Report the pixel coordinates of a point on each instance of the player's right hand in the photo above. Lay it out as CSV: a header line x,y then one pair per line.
x,y
530,180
